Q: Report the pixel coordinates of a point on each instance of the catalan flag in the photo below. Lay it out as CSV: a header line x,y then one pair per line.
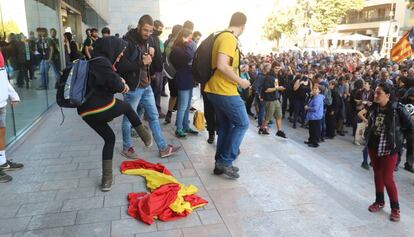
x,y
404,48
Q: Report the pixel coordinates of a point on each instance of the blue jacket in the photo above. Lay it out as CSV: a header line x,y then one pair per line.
x,y
181,59
315,108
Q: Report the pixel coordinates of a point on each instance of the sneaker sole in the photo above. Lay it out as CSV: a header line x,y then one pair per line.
x,y
129,157
10,169
6,180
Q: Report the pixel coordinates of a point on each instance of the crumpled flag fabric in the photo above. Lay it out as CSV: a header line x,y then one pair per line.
x,y
168,200
142,164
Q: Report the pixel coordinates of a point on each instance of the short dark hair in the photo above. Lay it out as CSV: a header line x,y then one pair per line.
x,y
275,64
87,30
188,25
196,34
146,19
106,30
158,23
68,36
238,19
94,30
386,87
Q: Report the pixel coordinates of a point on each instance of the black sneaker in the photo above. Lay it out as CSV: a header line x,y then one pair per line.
x,y
227,170
280,133
168,117
11,166
408,168
219,171
4,178
313,145
365,165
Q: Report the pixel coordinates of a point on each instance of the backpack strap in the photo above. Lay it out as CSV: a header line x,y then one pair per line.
x,y
218,33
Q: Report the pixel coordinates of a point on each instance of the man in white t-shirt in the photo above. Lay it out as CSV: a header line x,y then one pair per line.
x,y
7,92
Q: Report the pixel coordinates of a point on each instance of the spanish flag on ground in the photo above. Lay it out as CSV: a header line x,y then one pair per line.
x,y
168,199
404,48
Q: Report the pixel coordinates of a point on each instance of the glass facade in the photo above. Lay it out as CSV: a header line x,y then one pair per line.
x,y
31,33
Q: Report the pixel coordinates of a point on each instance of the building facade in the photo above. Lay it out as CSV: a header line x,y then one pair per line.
x,y
379,18
21,22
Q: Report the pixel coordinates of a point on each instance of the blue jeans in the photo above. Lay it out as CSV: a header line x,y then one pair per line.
x,y
233,123
365,154
261,113
44,73
146,98
323,125
184,104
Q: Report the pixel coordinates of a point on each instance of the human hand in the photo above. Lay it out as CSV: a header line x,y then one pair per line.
x,y
14,102
151,51
126,88
146,59
306,107
244,83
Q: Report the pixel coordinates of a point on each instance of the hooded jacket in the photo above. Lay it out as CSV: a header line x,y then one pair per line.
x,y
103,79
131,67
7,91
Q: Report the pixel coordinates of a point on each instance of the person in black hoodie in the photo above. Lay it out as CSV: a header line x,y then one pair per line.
x,y
332,110
140,62
157,78
102,107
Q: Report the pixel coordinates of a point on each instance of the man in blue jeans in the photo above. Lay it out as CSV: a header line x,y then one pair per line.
x,y
136,67
221,90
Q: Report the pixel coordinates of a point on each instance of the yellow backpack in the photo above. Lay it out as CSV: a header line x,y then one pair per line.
x,y
199,122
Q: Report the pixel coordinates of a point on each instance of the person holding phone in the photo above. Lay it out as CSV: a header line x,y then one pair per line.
x,y
140,62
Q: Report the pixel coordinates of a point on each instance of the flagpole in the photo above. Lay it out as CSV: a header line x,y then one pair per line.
x,y
390,38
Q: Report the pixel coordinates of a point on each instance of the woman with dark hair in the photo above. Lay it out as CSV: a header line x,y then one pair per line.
x,y
102,107
71,49
386,120
181,57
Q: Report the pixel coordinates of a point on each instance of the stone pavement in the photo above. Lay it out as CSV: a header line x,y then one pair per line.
x,y
285,189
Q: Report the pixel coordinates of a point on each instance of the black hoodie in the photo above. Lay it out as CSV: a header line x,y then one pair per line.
x,y
131,67
102,78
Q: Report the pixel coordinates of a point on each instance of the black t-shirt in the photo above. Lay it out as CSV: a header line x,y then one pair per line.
x,y
269,82
303,92
378,127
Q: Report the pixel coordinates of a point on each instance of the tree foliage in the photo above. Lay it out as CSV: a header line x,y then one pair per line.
x,y
8,27
410,4
318,15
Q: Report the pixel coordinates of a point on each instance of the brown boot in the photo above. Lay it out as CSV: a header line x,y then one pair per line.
x,y
145,134
106,175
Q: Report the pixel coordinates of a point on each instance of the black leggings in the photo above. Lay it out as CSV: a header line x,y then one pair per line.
x,y
99,123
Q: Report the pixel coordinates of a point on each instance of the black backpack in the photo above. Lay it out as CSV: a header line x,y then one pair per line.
x,y
202,69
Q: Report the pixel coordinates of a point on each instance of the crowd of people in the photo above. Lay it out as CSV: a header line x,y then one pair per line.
x,y
324,93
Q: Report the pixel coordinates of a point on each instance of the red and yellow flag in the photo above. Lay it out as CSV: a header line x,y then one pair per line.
x,y
403,48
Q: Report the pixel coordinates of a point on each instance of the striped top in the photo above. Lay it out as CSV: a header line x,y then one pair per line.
x,y
98,110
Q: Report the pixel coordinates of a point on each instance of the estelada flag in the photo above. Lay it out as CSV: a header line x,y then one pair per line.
x,y
404,48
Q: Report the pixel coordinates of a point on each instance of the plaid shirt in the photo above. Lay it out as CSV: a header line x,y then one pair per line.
x,y
383,146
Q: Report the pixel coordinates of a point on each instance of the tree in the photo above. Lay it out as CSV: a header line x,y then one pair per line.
x,y
8,27
318,15
327,13
410,4
282,22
